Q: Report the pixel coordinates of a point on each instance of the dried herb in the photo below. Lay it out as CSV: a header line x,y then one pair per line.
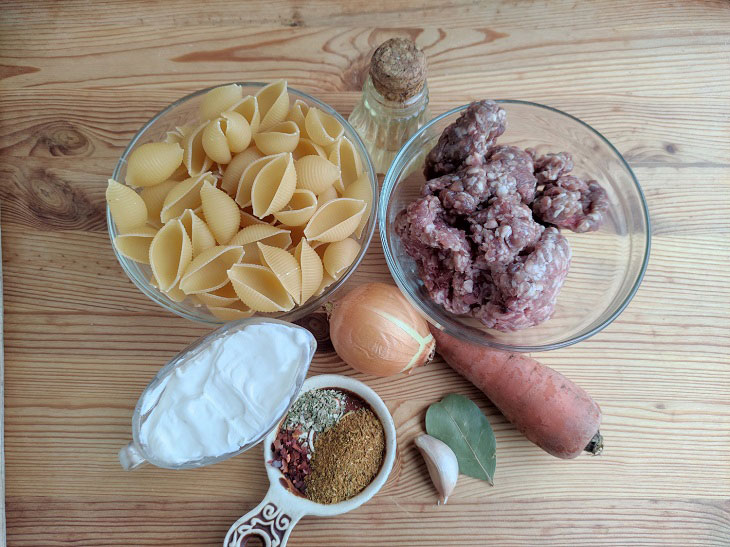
x,y
316,410
459,423
346,457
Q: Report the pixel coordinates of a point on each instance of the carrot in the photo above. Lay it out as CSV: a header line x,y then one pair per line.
x,y
550,410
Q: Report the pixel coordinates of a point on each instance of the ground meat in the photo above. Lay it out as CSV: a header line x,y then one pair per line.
x,y
525,291
572,203
503,229
467,140
551,167
509,170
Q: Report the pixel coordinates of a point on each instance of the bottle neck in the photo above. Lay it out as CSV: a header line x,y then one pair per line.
x,y
380,106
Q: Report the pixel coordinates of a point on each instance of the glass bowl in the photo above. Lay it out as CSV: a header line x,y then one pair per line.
x,y
607,266
183,111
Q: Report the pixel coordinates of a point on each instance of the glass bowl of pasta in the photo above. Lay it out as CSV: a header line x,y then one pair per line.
x,y
242,199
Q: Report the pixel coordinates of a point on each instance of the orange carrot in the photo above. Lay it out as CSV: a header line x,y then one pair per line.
x,y
550,410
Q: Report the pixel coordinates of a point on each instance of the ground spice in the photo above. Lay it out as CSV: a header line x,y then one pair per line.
x,y
346,458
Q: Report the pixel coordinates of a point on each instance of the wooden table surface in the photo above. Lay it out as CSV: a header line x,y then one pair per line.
x,y
79,78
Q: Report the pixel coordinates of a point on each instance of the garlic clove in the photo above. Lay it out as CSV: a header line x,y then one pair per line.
x,y
443,467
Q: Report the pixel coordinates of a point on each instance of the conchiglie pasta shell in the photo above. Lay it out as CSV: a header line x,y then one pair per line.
x,y
200,235
221,212
259,289
194,157
184,195
335,220
170,253
305,147
361,189
154,199
180,174
247,178
311,268
219,99
175,294
273,103
215,142
153,163
220,298
247,219
274,186
174,136
208,271
299,210
328,195
281,137
236,167
345,156
127,206
298,114
327,280
231,313
339,256
248,107
322,128
285,268
265,233
315,173
135,245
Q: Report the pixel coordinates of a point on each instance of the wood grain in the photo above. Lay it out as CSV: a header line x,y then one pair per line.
x,y
77,80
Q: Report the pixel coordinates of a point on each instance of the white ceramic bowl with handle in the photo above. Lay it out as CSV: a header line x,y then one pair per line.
x,y
274,518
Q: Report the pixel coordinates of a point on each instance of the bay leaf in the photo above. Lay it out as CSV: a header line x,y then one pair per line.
x,y
457,421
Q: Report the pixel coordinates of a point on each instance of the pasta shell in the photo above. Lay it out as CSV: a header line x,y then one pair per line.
x,y
219,99
246,180
295,232
259,289
273,103
230,133
170,254
305,147
311,268
174,136
339,256
285,268
348,160
222,213
265,233
335,220
220,298
154,199
153,163
127,206
274,186
135,245
248,107
175,294
234,170
328,195
281,137
247,219
322,128
194,157
200,235
231,313
208,271
299,210
184,195
327,280
215,143
298,114
315,173
361,189
180,174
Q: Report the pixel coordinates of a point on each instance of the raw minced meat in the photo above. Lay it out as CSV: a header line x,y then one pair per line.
x,y
572,203
551,167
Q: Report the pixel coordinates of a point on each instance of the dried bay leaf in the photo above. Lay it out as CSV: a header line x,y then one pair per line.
x,y
457,421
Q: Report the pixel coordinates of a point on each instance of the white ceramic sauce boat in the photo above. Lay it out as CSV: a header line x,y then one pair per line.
x,y
274,518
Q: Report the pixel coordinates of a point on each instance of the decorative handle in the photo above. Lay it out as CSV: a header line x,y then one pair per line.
x,y
268,520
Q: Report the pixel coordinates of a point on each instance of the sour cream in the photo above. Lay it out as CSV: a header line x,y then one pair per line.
x,y
226,394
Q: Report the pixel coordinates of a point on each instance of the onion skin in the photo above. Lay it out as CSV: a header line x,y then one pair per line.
x,y
375,330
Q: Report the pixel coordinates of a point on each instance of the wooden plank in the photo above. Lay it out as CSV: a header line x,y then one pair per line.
x,y
2,408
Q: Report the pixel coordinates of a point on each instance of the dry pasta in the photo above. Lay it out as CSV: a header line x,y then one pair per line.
x,y
220,298
335,220
298,114
361,189
154,198
184,195
281,137
209,270
170,254
327,280
345,156
259,288
194,157
322,128
264,233
135,245
226,135
234,170
231,313
273,186
305,147
299,210
127,207
339,256
247,219
328,195
285,268
153,163
311,268
221,212
273,103
219,99
200,235
315,173
247,178
248,107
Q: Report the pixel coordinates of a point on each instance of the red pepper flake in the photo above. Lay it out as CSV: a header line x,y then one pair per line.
x,y
291,457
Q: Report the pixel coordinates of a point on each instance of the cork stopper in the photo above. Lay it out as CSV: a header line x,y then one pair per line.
x,y
398,69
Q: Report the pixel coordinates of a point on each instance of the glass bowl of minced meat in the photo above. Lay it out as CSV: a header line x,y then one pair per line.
x,y
514,225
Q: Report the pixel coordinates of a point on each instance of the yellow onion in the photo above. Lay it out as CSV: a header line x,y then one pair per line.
x,y
375,330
